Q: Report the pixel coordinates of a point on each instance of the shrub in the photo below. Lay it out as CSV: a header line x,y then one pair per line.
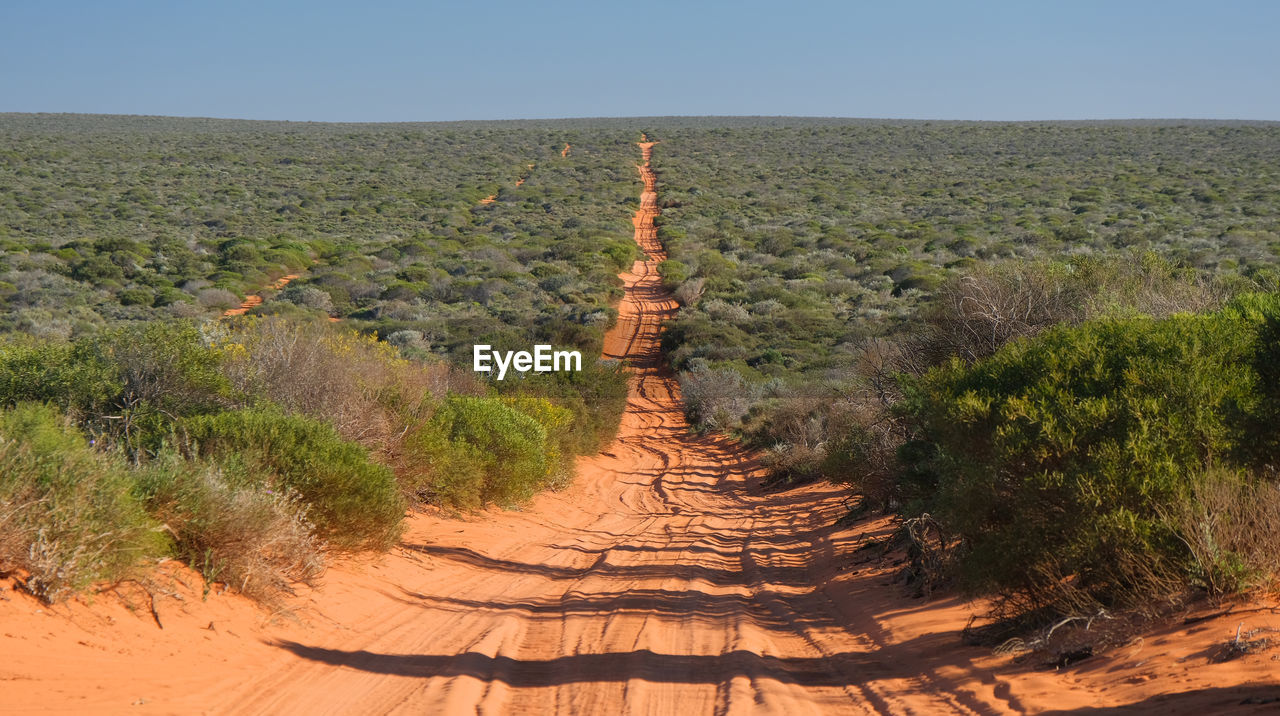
x,y
972,315
689,292
1053,460
307,297
717,398
136,297
356,382
218,299
54,371
233,528
560,443
67,513
165,370
595,395
1230,524
475,451
673,273
126,384
353,502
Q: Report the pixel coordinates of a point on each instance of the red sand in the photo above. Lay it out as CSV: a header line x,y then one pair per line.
x,y
254,300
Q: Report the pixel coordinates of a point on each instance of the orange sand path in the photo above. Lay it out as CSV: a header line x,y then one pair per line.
x,y
255,300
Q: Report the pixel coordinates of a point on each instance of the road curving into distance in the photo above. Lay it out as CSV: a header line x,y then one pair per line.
x,y
664,581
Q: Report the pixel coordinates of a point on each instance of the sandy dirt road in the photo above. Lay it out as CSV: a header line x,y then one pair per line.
x,y
254,300
664,581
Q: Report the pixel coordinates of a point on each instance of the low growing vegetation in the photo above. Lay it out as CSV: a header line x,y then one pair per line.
x,y
1068,468
1042,346
68,513
253,448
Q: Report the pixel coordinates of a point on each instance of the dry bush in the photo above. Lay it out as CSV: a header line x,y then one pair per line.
x,y
795,433
716,398
217,298
865,431
725,312
15,534
360,385
863,453
689,292
974,315
1231,525
1149,286
251,537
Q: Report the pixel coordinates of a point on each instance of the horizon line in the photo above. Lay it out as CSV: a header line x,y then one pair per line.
x,y
39,114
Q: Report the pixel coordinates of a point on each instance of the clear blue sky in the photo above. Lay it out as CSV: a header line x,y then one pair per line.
x,y
393,61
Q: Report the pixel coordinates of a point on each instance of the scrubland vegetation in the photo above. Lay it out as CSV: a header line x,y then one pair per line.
x,y
1048,348
106,219
136,426
251,448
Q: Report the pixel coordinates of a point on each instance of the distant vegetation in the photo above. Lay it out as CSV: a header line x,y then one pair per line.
x,y
106,219
794,246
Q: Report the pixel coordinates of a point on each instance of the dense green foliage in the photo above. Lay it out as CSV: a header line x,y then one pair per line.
x,y
808,238
595,395
108,218
1057,461
476,450
126,383
68,515
352,501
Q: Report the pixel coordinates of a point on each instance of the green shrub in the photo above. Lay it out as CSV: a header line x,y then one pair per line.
x,y
353,502
127,384
673,273
67,513
136,297
595,395
1052,460
166,370
560,443
57,372
475,451
442,471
